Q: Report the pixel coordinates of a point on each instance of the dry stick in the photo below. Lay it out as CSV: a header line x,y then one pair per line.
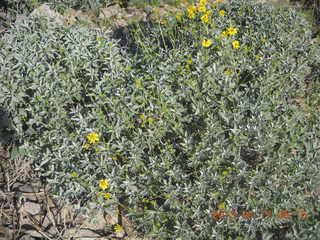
x,y
51,203
3,172
16,199
37,226
120,216
317,11
2,213
120,209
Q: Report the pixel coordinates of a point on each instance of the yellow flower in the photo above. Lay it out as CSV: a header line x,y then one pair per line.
x,y
107,196
222,13
206,43
191,15
189,61
228,72
93,137
202,9
225,173
232,31
138,84
156,11
203,2
142,116
192,9
74,174
225,34
104,184
117,228
221,205
114,158
150,120
209,13
247,49
236,44
86,146
205,18
99,39
258,57
179,16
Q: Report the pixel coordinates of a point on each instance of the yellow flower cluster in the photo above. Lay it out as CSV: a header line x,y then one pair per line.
x,y
117,228
207,43
221,205
228,72
146,119
179,16
189,62
92,138
236,44
192,12
203,2
222,13
232,31
104,184
205,18
201,7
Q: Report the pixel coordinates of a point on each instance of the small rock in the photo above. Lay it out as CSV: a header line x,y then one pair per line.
x,y
44,10
98,223
4,234
81,233
120,234
110,12
31,208
25,188
20,18
32,234
75,15
28,237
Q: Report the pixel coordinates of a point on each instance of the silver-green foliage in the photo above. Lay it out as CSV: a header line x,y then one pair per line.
x,y
27,6
175,141
51,77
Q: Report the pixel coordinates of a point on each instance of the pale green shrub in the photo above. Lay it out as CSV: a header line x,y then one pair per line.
x,y
176,142
26,6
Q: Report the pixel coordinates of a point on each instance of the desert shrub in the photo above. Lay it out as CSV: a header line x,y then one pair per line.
x,y
26,6
313,5
49,79
183,131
